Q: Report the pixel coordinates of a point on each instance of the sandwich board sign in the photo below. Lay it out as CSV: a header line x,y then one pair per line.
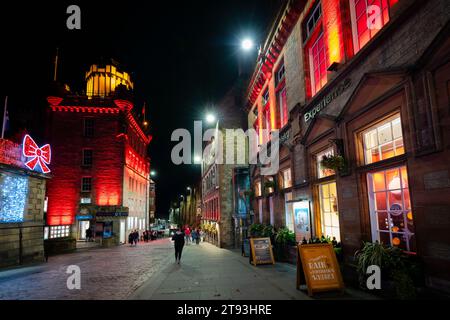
x,y
261,251
317,267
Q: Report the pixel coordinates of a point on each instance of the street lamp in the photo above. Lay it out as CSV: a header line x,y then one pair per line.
x,y
247,44
210,118
197,159
153,173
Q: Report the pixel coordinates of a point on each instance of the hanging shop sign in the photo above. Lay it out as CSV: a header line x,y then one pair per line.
x,y
311,114
36,157
261,251
317,267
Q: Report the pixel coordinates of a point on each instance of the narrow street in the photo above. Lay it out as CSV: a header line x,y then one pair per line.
x,y
148,271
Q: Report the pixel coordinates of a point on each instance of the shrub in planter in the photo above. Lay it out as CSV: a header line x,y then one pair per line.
x,y
284,240
400,272
268,231
256,230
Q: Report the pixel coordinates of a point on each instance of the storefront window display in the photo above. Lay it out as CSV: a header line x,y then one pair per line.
x,y
329,210
390,208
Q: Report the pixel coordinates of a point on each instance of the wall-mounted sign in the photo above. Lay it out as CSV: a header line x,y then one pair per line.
x,y
317,267
302,220
311,114
36,156
112,214
261,251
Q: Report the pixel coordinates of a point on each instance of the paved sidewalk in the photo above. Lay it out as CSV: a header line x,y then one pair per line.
x,y
207,272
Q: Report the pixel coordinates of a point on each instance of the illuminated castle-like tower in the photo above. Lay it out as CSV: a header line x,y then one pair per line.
x,y
102,81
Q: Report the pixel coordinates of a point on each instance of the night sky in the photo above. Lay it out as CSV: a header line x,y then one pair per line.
x,y
183,56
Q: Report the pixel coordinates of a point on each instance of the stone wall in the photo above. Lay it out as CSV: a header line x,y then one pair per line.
x,y
23,243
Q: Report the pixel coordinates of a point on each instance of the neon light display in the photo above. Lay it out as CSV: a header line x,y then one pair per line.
x,y
13,197
41,156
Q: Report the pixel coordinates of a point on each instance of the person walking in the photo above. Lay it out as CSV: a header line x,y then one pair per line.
x,y
131,238
197,236
187,233
178,239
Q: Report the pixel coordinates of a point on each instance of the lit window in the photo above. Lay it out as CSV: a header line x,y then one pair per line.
x,y
318,64
282,105
281,95
267,116
368,17
287,179
329,211
86,184
87,157
85,200
258,190
59,232
88,125
383,141
390,208
323,172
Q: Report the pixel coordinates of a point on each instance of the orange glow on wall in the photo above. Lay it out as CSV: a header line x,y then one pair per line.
x,y
107,198
333,30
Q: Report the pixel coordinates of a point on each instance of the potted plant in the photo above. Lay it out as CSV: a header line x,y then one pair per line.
x,y
285,245
256,230
400,273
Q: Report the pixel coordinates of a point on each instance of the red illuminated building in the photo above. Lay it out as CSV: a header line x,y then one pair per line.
x,y
100,165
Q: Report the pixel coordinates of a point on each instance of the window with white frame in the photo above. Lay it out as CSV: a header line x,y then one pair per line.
x,y
368,17
390,208
329,210
383,141
323,172
318,64
59,232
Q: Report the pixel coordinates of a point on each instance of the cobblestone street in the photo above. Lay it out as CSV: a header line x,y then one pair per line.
x,y
112,273
148,272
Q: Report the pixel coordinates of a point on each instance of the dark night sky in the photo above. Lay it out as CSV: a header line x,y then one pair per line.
x,y
182,55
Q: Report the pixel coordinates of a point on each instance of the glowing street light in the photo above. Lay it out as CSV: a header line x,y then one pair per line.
x,y
152,173
210,118
197,159
247,44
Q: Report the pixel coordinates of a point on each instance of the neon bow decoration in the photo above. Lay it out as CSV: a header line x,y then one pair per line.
x,y
41,156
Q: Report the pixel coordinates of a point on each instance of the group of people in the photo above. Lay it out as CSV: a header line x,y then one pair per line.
x,y
133,238
195,235
147,235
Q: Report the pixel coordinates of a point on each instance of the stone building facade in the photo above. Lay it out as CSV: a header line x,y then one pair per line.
x,y
373,99
22,203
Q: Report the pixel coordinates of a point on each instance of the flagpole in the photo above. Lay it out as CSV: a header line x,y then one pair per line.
x,y
4,117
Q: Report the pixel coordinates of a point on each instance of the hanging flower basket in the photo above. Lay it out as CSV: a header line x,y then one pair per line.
x,y
336,163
